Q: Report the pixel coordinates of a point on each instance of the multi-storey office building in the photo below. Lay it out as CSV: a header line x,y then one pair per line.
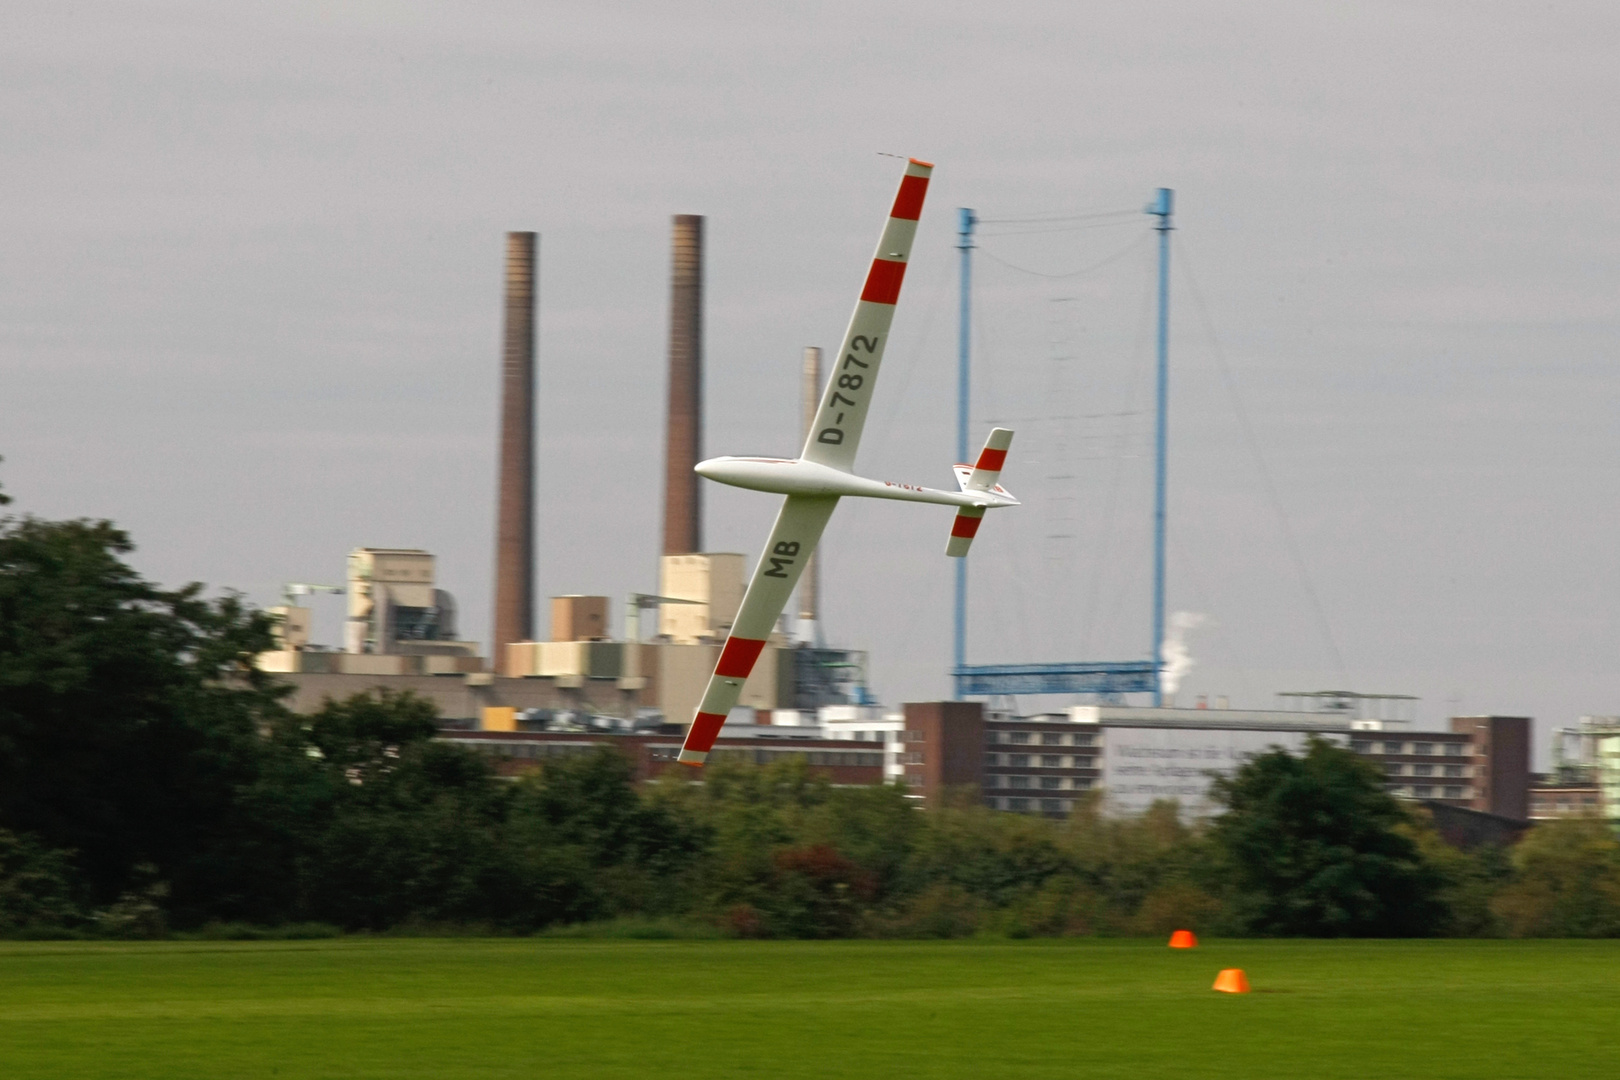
x,y
1435,765
1043,764
1482,763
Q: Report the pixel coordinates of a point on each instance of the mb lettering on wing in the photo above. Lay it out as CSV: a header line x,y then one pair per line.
x,y
782,556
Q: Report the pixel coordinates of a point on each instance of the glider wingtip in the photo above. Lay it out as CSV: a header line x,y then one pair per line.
x,y
692,758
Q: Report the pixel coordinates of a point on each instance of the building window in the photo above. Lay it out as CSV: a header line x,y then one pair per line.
x,y
1454,749
1454,770
913,736
1454,792
1051,761
1361,746
1081,783
993,737
1083,740
1051,738
992,759
1085,763
1392,748
1393,768
1052,806
1020,737
1051,783
1018,781
1018,805
1423,748
1423,770
1018,761
1424,791
992,802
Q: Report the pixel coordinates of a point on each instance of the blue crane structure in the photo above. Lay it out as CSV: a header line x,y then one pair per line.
x,y
1107,679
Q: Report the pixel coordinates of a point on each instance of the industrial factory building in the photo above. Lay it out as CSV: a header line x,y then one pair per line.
x,y
400,635
401,630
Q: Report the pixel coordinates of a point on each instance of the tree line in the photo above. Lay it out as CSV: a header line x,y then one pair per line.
x,y
153,782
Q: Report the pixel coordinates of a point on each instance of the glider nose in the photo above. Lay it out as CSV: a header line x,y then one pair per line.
x,y
728,470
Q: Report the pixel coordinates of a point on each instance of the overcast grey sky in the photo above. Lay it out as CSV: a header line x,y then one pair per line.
x,y
249,307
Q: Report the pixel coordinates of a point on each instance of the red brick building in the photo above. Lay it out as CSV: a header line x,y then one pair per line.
x,y
516,752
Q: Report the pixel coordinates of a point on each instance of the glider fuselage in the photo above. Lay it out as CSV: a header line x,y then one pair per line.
x,y
785,476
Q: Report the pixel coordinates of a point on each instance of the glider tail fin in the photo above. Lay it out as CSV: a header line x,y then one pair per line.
x,y
982,475
987,470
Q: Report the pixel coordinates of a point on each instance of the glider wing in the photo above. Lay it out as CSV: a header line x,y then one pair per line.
x,y
798,528
836,433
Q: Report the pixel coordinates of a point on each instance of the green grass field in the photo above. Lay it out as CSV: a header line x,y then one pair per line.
x,y
556,1009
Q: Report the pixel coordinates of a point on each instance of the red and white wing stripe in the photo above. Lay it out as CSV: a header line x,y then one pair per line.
x,y
835,434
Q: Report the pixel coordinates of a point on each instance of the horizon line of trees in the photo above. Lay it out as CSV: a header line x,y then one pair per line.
x,y
152,781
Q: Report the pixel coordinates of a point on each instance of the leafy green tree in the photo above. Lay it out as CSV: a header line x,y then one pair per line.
x,y
815,892
628,853
1317,848
997,857
786,854
387,825
36,887
1471,879
1147,873
744,816
1566,882
129,714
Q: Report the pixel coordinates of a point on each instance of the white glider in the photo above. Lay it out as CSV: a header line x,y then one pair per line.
x,y
821,474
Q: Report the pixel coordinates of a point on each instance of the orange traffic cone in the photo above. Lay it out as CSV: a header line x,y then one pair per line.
x,y
1232,981
1183,939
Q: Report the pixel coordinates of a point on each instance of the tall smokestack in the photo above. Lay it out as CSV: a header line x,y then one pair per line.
x,y
683,517
809,587
514,528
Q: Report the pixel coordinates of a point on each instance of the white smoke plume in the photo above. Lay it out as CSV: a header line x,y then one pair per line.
x,y
1173,653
